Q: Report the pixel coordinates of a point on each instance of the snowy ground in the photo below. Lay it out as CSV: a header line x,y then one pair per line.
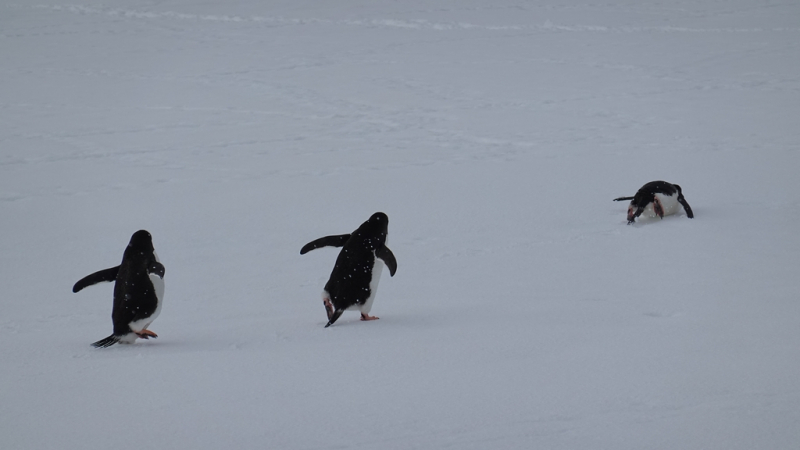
x,y
524,312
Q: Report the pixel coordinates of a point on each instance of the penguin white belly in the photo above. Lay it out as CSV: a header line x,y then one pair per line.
x,y
158,286
669,204
377,268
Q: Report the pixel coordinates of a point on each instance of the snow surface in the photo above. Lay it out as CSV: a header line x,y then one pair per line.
x,y
494,133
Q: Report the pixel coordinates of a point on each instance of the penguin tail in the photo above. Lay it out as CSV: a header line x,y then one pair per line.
x,y
619,199
334,317
107,342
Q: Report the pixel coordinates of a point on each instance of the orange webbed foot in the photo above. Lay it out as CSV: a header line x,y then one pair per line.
x,y
146,334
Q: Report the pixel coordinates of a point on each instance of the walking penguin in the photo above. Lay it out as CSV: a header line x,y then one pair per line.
x,y
138,291
354,279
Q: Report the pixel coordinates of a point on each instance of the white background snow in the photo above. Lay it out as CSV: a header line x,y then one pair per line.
x,y
524,312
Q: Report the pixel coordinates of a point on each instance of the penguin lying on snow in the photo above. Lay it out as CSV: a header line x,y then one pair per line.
x,y
354,279
657,198
138,291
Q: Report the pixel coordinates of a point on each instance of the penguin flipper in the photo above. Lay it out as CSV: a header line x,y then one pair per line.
x,y
658,208
327,241
686,207
619,199
387,257
156,268
107,342
106,275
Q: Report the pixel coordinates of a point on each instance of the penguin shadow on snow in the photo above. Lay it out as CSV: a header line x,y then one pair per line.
x,y
442,319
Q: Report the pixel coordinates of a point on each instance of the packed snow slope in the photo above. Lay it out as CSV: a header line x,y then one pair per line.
x,y
524,314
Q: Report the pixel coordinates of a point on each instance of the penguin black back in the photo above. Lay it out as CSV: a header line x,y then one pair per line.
x,y
135,296
354,277
354,264
138,289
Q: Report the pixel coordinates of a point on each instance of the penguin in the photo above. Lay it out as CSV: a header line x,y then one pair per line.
x,y
138,291
658,198
354,279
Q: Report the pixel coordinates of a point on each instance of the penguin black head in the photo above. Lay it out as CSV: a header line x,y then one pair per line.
x,y
378,223
632,208
373,232
379,217
142,241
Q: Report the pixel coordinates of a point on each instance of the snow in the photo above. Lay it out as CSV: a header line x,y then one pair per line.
x,y
524,313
